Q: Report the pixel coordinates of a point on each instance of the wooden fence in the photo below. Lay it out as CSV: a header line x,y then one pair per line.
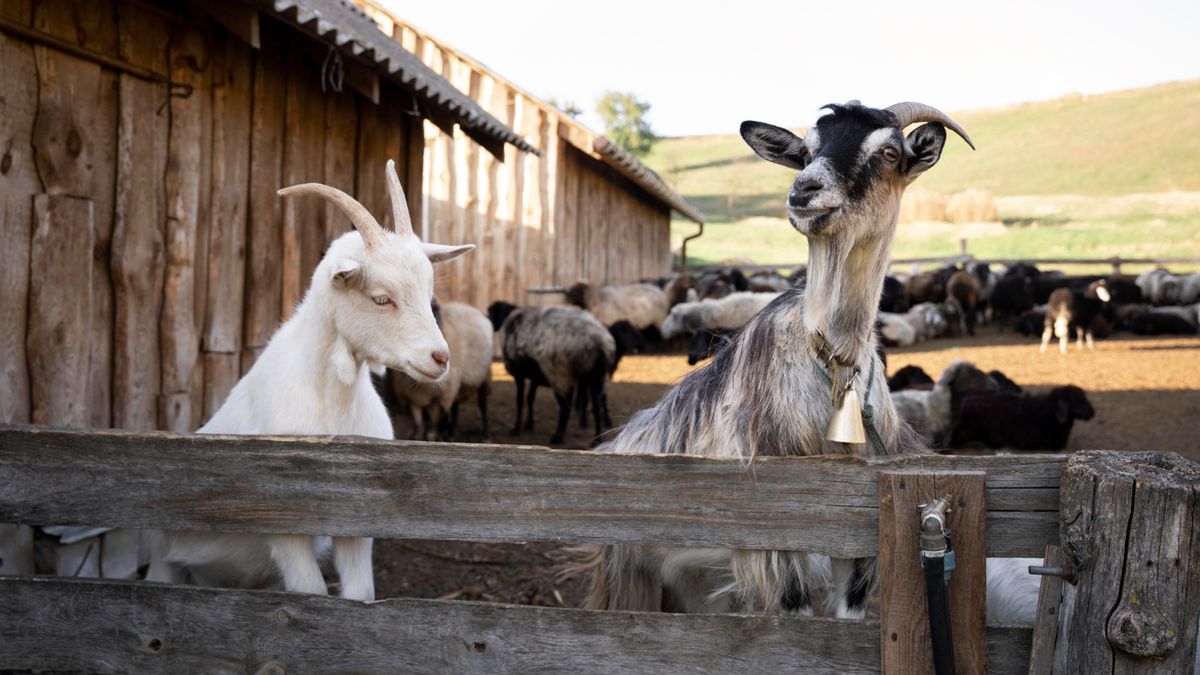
x,y
363,487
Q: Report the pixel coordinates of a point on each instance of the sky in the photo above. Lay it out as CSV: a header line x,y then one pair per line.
x,y
706,66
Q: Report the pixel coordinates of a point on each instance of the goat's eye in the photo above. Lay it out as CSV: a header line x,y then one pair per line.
x,y
891,154
382,300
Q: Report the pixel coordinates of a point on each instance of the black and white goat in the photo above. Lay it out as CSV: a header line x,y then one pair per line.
x,y
1073,310
768,391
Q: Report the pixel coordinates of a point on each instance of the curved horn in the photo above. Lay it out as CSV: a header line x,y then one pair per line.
x,y
360,217
911,113
400,214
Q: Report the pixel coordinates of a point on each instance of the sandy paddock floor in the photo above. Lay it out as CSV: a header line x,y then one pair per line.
x,y
1146,392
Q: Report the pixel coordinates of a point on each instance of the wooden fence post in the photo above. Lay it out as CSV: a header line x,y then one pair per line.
x,y
1131,531
904,624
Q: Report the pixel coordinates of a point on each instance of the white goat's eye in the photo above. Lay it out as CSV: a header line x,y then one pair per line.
x,y
382,300
891,154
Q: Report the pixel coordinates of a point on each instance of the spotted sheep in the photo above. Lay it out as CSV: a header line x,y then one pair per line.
x,y
367,308
766,392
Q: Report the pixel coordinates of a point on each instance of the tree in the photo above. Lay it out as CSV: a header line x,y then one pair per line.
x,y
624,118
567,107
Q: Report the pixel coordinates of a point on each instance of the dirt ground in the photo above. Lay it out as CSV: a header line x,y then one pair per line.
x,y
1146,393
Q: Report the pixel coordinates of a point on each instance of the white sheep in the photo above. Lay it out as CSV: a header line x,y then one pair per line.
x,y
367,307
728,313
642,305
469,335
921,322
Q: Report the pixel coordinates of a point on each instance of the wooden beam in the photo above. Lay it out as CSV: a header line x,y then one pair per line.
x,y
904,637
1045,626
367,487
238,18
1131,531
142,627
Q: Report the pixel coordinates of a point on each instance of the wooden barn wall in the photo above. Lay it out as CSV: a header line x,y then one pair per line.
x,y
147,259
538,221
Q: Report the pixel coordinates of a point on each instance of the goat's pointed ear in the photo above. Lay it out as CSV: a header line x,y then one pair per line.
x,y
775,144
926,144
347,273
438,253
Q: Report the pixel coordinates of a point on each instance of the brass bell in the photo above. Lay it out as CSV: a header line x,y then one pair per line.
x,y
847,425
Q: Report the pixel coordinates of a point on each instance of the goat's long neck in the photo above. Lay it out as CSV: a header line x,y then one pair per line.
x,y
845,279
334,377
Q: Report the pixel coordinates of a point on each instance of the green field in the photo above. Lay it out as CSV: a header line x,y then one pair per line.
x,y
1095,176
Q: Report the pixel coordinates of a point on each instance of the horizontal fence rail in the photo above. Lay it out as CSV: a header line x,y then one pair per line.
x,y
1115,261
106,626
367,487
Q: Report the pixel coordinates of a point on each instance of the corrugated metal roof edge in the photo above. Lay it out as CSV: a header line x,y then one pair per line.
x,y
629,166
333,21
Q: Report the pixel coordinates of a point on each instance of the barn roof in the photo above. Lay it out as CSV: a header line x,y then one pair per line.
x,y
347,27
589,142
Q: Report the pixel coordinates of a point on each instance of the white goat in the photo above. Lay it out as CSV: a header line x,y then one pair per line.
x,y
367,306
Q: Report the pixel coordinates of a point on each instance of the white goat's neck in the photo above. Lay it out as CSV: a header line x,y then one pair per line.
x,y
845,280
322,359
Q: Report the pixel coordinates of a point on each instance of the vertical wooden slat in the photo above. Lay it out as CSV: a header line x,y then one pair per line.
x,y
263,239
60,309
414,177
568,206
16,549
302,163
533,202
75,136
138,236
232,87
379,132
904,629
1045,625
492,96
341,123
180,325
18,184
231,94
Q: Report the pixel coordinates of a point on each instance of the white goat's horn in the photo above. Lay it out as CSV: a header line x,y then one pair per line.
x,y
400,212
360,217
911,113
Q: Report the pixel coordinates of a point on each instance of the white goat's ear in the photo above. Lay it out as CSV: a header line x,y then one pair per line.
x,y
347,273
439,253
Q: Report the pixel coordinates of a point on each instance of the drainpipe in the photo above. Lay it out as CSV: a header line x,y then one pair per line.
x,y
937,559
683,249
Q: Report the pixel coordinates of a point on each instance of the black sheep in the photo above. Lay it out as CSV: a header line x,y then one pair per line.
x,y
910,377
1161,323
894,298
706,343
1011,296
1021,421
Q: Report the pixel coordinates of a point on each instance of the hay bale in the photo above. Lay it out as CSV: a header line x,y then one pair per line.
x,y
971,206
923,206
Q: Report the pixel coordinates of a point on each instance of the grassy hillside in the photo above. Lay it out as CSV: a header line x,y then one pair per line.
x,y
1102,147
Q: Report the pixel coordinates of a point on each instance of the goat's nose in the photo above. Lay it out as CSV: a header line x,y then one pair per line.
x,y
440,357
803,191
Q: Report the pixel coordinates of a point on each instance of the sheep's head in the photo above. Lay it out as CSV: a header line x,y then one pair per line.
x,y
378,285
854,164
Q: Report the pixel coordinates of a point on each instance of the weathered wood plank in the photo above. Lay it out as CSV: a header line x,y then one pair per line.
x,y
1131,530
138,246
264,241
379,132
355,486
18,184
16,549
180,325
75,140
60,309
341,121
302,163
1045,625
232,86
127,626
905,641
221,372
241,20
